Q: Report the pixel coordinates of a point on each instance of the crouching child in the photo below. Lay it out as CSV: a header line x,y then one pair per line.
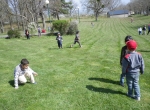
x,y
23,71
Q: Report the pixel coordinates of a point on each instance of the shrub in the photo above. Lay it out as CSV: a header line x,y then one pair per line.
x,y
73,27
61,26
14,34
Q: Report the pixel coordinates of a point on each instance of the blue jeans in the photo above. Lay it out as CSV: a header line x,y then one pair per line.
x,y
122,76
133,84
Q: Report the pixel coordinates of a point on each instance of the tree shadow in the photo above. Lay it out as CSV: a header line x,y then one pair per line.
x,y
105,80
103,90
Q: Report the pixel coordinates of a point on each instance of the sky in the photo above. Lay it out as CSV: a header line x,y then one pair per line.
x,y
125,1
79,4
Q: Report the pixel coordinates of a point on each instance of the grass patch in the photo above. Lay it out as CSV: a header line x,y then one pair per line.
x,y
75,78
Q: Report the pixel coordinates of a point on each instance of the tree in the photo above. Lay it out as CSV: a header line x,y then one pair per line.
x,y
140,7
113,4
60,7
97,6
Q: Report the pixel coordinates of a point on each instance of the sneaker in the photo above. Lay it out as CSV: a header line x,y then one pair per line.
x,y
137,98
34,83
131,96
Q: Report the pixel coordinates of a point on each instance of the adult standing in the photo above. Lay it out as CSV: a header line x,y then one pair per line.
x,y
59,40
148,29
27,34
144,30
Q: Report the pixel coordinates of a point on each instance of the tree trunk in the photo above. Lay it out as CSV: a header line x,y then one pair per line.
x,y
43,21
2,27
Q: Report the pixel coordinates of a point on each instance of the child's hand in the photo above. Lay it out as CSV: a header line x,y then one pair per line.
x,y
35,74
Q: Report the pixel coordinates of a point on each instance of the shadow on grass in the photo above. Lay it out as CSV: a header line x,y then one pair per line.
x,y
54,48
103,90
11,82
105,80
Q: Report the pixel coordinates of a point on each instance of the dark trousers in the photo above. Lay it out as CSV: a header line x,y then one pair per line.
x,y
148,32
59,44
28,36
77,41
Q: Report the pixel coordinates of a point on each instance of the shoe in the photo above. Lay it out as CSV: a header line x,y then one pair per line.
x,y
122,84
137,98
34,83
131,96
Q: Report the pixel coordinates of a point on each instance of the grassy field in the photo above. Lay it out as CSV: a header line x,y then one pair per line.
x,y
75,78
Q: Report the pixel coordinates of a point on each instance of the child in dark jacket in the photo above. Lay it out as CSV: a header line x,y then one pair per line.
x,y
124,51
132,66
59,40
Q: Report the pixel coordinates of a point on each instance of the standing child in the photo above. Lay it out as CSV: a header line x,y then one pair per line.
x,y
23,71
39,31
59,40
77,39
124,51
27,34
132,66
140,30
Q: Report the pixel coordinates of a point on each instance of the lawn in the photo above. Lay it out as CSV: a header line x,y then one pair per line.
x,y
75,78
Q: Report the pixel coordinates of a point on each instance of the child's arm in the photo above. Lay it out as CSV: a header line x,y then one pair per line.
x,y
142,66
16,75
124,65
33,72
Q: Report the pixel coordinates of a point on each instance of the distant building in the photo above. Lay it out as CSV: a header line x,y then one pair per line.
x,y
118,14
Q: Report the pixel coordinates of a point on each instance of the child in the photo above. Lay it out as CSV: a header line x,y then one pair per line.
x,y
21,72
140,30
27,34
77,39
59,40
39,31
144,30
123,53
132,66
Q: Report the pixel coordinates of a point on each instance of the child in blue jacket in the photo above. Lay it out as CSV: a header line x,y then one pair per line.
x,y
132,66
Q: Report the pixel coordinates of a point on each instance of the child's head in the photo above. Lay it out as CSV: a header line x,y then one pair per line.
x,y
77,32
127,38
131,45
24,63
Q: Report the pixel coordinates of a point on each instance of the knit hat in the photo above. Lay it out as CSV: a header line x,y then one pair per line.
x,y
127,38
131,45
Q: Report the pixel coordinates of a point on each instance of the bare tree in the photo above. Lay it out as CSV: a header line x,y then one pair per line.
x,y
113,4
140,7
97,6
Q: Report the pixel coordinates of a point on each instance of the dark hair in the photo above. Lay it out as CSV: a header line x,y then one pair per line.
x,y
77,32
24,61
127,38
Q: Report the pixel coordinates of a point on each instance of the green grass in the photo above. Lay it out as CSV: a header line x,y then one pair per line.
x,y
75,78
